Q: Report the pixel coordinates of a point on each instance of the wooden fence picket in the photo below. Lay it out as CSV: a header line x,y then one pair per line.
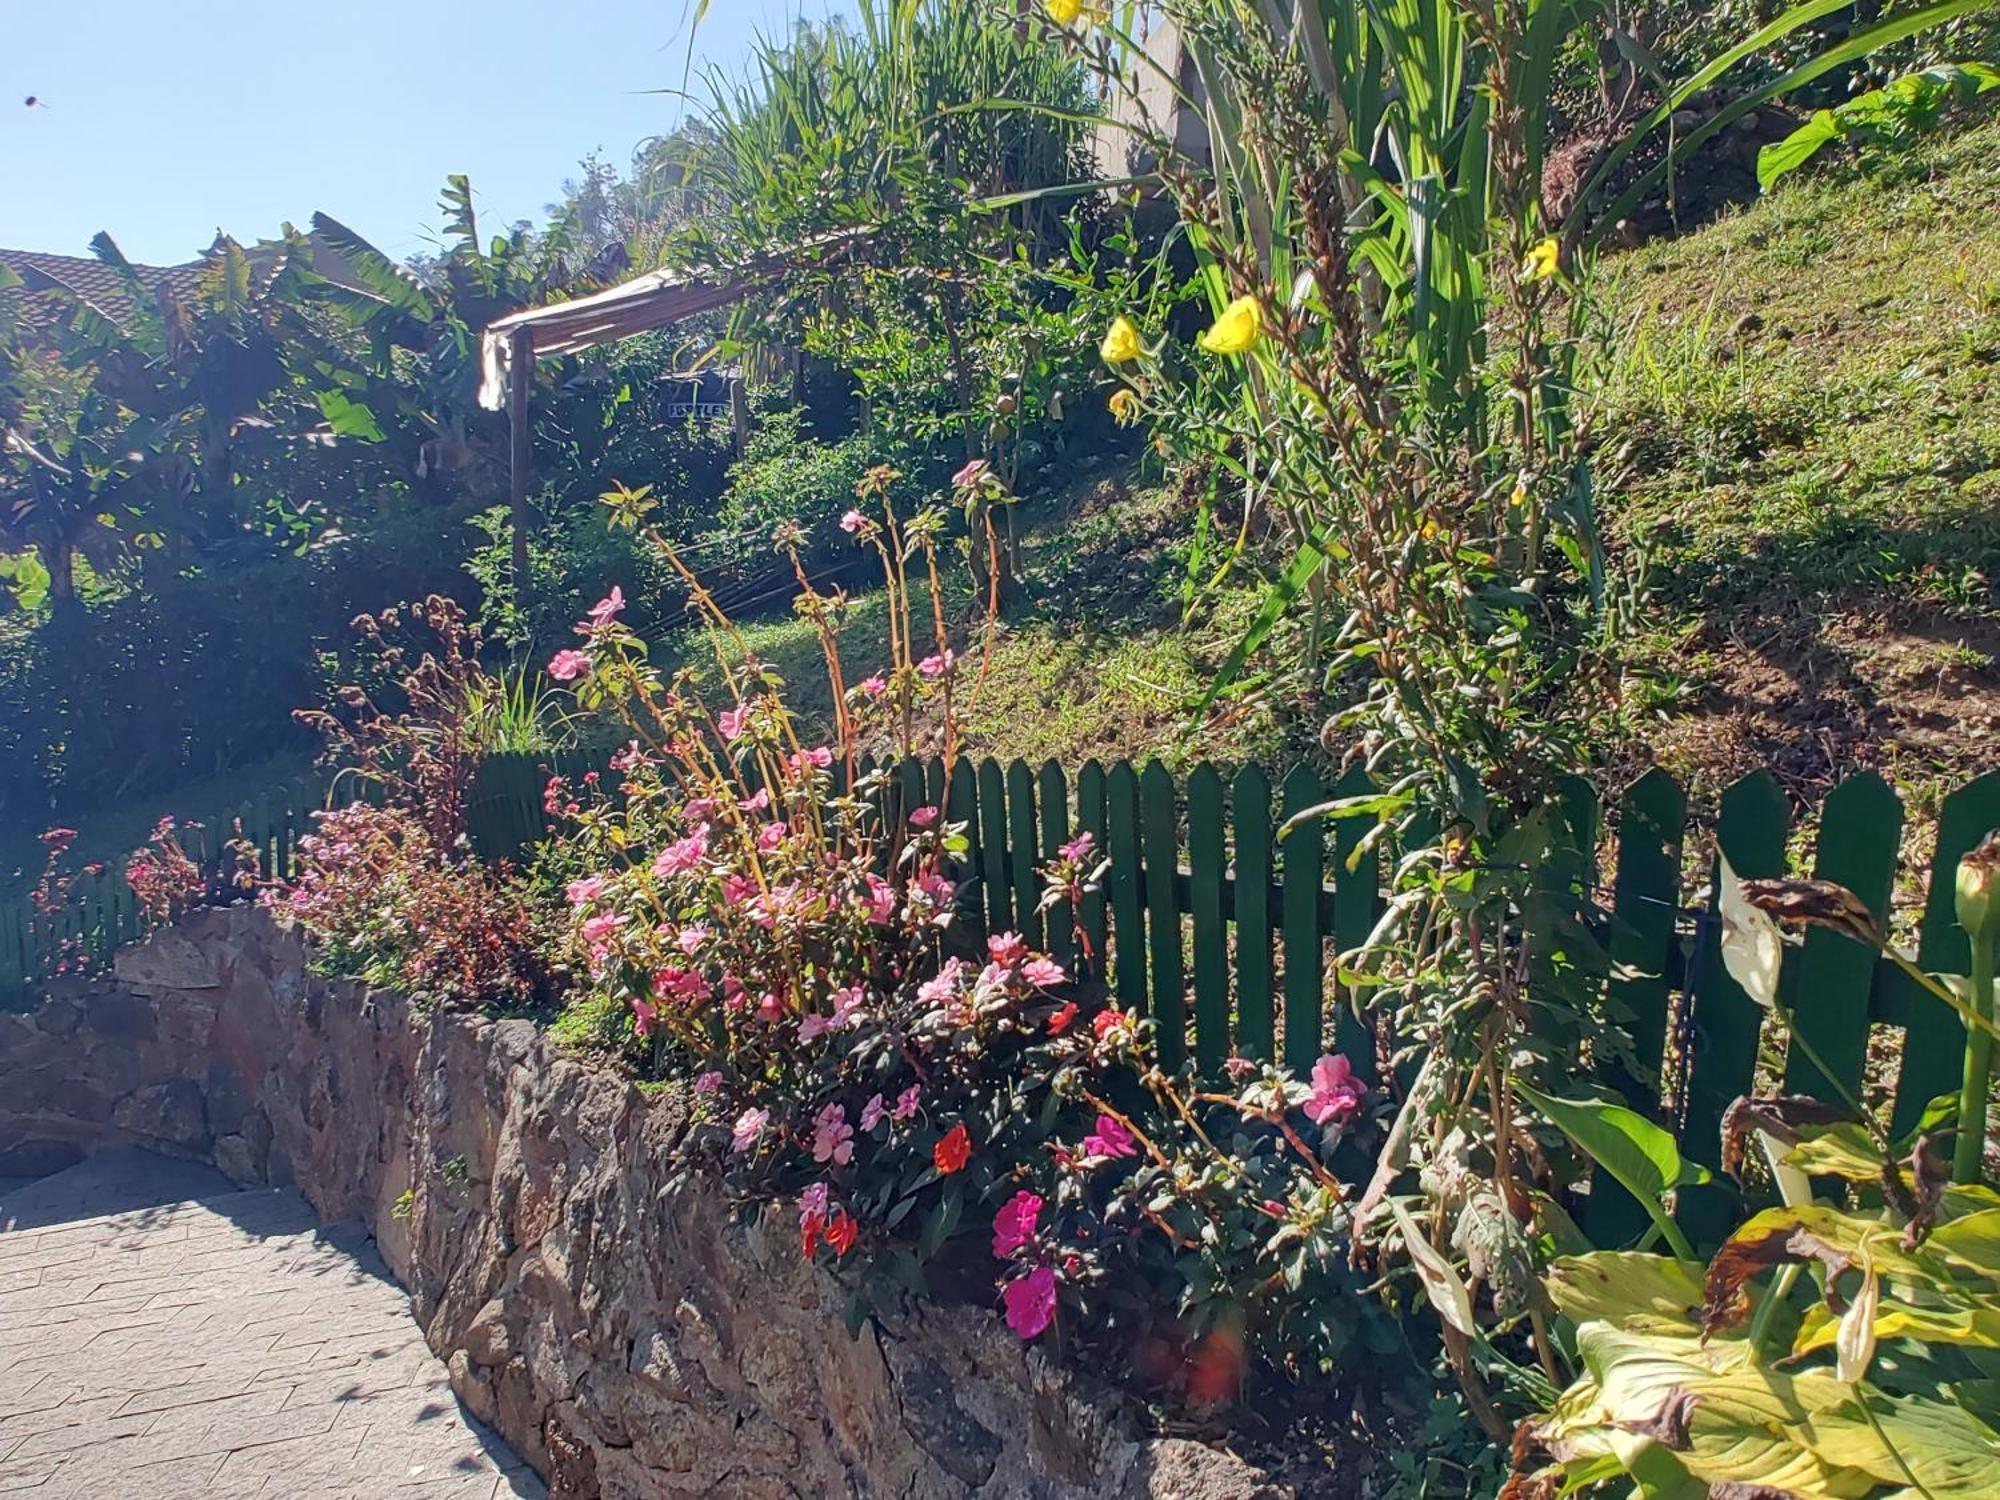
x,y
1128,923
1021,848
1059,924
993,846
1303,849
1160,838
1207,859
1091,918
1256,987
1726,1022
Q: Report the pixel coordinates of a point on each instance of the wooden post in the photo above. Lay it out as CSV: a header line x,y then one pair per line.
x,y
520,381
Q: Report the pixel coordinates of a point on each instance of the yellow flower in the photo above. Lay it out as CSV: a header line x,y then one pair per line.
x,y
1543,261
1237,330
1122,344
1125,406
1064,12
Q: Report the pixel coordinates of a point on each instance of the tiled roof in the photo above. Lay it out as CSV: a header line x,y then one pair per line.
x,y
93,278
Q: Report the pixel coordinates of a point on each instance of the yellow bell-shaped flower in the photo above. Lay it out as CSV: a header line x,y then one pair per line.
x,y
1064,12
1122,343
1543,262
1125,406
1237,330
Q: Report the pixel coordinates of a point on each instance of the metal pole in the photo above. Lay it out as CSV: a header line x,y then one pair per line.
x,y
520,381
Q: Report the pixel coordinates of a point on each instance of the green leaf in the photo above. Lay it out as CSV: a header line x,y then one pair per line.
x,y
1796,149
1627,1289
1641,1155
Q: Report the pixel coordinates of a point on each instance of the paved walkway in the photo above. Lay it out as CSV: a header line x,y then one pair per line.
x,y
221,1346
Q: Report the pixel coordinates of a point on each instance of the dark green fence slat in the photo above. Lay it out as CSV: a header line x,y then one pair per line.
x,y
1059,924
1022,852
962,807
1207,859
1860,831
1727,1022
1161,836
1934,1042
1128,923
1256,990
1645,897
1090,820
1303,852
993,846
1357,906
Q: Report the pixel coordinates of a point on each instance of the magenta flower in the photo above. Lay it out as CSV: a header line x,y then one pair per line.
x,y
730,721
1016,1222
873,1112
1031,1303
1109,1139
643,1016
1077,850
681,856
934,667
1337,1095
567,666
874,687
749,1126
770,836
852,522
759,802
923,817
820,756
815,1202
881,900
605,610
1044,973
1007,947
709,1083
972,474
906,1104
738,889
833,1137
701,810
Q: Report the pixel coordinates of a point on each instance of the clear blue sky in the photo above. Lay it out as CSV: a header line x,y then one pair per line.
x,y
168,119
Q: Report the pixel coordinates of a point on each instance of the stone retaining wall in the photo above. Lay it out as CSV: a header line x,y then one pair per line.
x,y
622,1330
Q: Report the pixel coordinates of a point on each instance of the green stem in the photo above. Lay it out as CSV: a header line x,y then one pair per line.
x,y
1971,1144
1663,1222
1974,1021
1861,1400
1781,1289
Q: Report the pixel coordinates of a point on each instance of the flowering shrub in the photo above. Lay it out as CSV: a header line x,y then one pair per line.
x,y
53,896
387,905
164,879
779,930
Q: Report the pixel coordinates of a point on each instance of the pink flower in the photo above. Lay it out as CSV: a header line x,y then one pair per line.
x,y
757,803
820,756
906,1104
1007,947
1110,1139
681,856
731,721
605,610
971,474
770,836
643,1016
923,817
681,985
881,900
1337,1095
873,1111
693,936
734,996
1031,1303
709,1083
1044,973
833,1137
701,810
852,522
770,1007
943,988
738,889
1015,1224
1077,850
749,1126
815,1202
934,667
874,687
567,666
583,892
600,929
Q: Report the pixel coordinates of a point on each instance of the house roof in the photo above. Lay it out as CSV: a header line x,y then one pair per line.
x,y
95,280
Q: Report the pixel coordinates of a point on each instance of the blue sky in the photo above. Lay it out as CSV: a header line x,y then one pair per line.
x,y
166,121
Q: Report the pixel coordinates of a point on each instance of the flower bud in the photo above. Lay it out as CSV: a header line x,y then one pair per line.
x,y
1977,874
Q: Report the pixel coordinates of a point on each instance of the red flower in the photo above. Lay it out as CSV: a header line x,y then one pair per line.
x,y
1108,1021
954,1151
811,1227
1059,1022
842,1232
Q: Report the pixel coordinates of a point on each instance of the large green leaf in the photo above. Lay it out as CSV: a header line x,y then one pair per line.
x,y
1641,1155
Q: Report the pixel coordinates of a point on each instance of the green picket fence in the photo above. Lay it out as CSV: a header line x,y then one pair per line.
x,y
1226,934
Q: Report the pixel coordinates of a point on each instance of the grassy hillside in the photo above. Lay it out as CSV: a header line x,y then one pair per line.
x,y
1801,445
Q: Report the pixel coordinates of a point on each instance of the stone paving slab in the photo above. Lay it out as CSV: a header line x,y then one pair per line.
x,y
228,1348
